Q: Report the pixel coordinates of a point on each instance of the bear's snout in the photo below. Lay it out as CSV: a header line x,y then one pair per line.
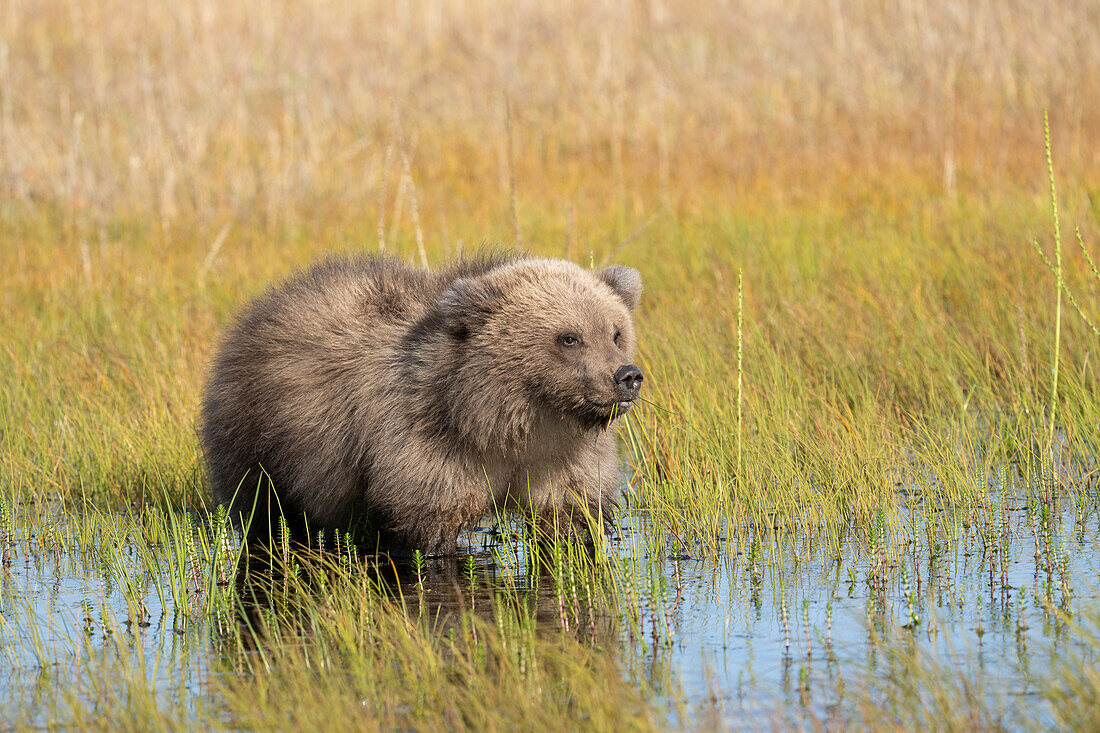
x,y
629,381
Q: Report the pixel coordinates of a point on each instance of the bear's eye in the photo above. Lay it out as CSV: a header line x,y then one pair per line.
x,y
569,339
618,336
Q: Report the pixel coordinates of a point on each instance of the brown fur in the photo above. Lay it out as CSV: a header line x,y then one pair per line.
x,y
368,391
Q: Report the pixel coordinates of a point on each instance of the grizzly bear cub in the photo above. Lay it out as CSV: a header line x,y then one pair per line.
x,y
365,394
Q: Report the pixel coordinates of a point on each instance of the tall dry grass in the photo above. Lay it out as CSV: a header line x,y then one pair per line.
x,y
193,115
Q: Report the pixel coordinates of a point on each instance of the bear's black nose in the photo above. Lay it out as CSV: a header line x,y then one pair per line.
x,y
629,380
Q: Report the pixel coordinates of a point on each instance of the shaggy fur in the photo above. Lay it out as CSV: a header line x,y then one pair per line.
x,y
369,394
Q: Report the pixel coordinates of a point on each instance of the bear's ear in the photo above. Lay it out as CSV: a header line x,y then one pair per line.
x,y
626,282
467,304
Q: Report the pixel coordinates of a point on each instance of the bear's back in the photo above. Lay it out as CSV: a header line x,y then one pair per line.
x,y
342,301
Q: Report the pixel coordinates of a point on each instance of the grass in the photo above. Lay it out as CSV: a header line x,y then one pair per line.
x,y
854,354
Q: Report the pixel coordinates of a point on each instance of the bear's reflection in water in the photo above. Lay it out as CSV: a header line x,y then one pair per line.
x,y
491,574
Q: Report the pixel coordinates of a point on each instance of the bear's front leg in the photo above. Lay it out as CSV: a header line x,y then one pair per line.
x,y
581,500
434,532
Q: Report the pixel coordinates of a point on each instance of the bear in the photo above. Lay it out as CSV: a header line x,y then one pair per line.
x,y
403,404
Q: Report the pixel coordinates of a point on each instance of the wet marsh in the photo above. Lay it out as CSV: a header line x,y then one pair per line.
x,y
760,627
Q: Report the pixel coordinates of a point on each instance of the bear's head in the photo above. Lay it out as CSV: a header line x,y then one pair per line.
x,y
539,339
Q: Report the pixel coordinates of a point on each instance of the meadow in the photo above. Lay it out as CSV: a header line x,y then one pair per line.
x,y
863,492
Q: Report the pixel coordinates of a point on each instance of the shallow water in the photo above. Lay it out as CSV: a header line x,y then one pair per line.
x,y
774,629
769,628
785,645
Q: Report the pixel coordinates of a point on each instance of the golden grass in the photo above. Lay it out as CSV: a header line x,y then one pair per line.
x,y
871,170
197,114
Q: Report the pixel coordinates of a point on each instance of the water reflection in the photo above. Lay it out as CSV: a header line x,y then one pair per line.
x,y
771,624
